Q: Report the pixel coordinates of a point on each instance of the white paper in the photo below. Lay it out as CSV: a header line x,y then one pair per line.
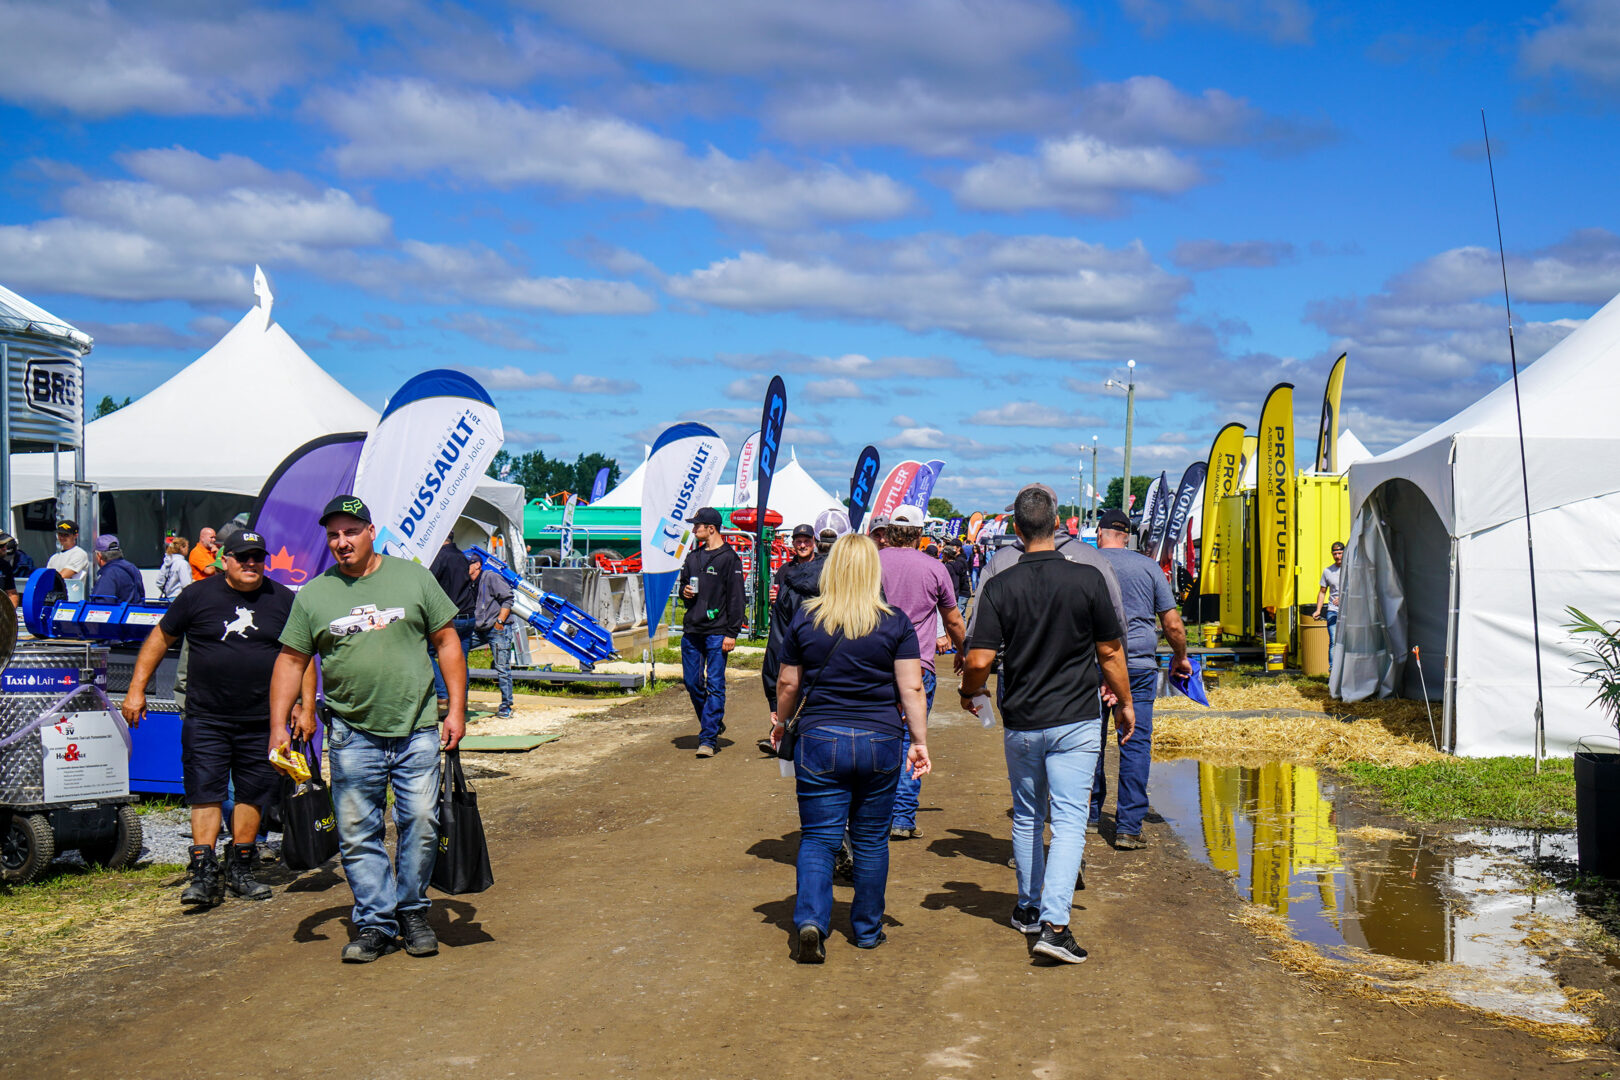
x,y
85,758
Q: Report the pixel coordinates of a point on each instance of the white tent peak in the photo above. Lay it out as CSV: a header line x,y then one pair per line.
x,y
261,289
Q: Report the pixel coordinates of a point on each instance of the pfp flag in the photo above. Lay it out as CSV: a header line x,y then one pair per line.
x,y
770,446
746,459
421,462
1275,477
681,474
862,486
599,488
1327,437
1224,474
290,505
893,492
1180,510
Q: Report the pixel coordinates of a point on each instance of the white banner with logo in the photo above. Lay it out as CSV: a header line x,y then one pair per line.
x,y
682,472
747,462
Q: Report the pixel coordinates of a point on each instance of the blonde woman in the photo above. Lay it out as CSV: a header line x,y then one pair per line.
x,y
175,573
856,662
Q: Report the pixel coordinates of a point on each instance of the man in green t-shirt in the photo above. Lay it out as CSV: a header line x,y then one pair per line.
x,y
370,619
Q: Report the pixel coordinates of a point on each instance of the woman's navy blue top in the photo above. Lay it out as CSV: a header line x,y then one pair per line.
x,y
856,687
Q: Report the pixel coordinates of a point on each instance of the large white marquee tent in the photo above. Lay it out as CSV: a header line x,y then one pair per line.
x,y
794,493
1438,560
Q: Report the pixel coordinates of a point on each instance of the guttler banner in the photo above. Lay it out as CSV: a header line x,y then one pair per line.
x,y
1225,473
420,464
746,457
681,474
1275,477
892,494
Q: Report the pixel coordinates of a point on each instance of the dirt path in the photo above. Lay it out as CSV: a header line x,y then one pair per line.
x,y
639,927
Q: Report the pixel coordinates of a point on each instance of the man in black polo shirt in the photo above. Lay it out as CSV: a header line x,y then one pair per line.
x,y
232,624
1053,622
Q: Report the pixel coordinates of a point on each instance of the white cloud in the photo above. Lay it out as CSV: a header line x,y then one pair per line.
x,y
832,390
930,119
516,378
1282,21
847,366
1079,173
1581,37
500,333
1032,414
916,435
1220,254
410,126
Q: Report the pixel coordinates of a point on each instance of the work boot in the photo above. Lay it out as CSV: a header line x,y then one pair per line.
x,y
371,944
420,940
204,887
239,877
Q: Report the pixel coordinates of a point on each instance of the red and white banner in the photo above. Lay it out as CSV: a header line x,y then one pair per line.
x,y
747,461
891,496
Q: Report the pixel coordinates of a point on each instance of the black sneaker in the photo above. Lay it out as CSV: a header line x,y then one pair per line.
x,y
809,948
874,943
1026,920
844,864
419,937
370,945
239,877
1059,945
204,888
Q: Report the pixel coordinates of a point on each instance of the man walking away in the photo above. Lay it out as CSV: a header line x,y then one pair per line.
x,y
1051,621
1146,593
118,579
713,587
921,588
1329,592
232,624
70,560
451,572
371,618
492,618
798,580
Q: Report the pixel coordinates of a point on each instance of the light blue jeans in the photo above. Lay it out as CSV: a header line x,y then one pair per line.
x,y
1051,768
364,767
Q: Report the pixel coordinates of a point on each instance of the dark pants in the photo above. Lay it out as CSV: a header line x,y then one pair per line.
x,y
703,669
908,792
1135,757
845,779
464,629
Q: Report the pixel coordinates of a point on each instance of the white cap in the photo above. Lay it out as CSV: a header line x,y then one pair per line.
x,y
906,515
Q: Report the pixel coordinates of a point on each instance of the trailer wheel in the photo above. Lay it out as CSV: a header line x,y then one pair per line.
x,y
609,553
26,848
548,556
122,848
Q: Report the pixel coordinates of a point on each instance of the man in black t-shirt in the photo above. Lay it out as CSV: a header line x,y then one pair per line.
x,y
232,625
715,593
1053,623
449,569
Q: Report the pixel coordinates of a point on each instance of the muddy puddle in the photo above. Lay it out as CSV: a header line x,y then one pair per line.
x,y
1460,903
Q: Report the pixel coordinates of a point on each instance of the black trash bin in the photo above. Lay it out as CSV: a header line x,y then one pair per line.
x,y
1597,806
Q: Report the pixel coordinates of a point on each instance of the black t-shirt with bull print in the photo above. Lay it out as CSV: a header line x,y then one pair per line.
x,y
234,639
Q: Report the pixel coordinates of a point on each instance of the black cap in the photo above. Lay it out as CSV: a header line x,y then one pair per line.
x,y
805,531
1336,546
67,526
242,541
707,515
346,504
1114,519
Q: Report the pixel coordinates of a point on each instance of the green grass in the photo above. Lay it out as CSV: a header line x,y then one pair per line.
x,y
58,907
1500,790
156,804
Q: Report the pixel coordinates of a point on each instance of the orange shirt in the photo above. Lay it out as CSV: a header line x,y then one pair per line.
x,y
199,558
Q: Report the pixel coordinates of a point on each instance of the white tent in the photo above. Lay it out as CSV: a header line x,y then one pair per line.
x,y
1438,561
794,493
200,446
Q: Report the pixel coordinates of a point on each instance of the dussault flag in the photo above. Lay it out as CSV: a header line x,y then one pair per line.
x,y
289,508
681,474
1224,474
1327,436
863,486
420,464
1275,479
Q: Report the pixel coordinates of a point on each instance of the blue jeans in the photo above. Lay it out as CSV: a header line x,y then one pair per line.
x,y
909,791
845,780
464,629
364,767
703,669
500,649
1051,769
1135,757
1331,617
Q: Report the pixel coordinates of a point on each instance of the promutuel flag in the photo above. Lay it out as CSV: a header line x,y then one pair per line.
x,y
1327,437
892,494
1275,478
1180,511
681,474
289,507
863,486
420,464
746,457
1224,475
770,449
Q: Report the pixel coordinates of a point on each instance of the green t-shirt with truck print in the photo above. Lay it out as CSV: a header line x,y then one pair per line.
x,y
371,634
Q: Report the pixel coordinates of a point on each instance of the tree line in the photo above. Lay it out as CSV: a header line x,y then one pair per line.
x,y
543,477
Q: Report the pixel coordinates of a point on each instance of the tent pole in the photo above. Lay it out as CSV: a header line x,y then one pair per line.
x,y
1448,703
1524,468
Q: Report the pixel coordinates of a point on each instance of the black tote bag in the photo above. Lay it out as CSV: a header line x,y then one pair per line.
x,y
463,863
309,834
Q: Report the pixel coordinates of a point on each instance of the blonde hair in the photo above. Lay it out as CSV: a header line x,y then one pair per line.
x,y
851,597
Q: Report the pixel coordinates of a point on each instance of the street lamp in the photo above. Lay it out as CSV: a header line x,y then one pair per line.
x,y
1129,386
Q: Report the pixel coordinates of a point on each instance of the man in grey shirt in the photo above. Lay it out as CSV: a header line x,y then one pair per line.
x,y
1147,594
492,614
1329,593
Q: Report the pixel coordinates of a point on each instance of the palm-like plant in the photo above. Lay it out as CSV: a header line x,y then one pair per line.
x,y
1601,663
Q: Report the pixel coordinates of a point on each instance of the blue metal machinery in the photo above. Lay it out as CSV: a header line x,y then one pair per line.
x,y
558,621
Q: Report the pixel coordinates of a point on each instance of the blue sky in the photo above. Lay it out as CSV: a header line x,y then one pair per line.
x,y
945,223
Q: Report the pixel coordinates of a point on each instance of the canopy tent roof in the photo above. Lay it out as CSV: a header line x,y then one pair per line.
x,y
794,493
21,315
223,423
1351,451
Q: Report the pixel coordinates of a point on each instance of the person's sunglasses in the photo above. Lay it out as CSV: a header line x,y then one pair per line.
x,y
248,556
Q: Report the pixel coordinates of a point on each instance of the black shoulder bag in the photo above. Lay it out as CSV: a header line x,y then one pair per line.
x,y
790,732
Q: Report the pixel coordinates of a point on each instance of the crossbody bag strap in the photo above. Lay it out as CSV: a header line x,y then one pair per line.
x,y
804,697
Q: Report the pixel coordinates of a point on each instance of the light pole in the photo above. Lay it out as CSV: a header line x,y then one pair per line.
x,y
1129,386
1095,479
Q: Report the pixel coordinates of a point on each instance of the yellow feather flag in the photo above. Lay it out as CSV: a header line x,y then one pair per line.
x,y
1225,474
1275,478
1327,437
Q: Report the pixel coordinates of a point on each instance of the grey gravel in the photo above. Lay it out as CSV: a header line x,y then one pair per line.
x,y
166,839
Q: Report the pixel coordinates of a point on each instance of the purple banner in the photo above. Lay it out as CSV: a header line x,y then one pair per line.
x,y
289,508
922,486
599,488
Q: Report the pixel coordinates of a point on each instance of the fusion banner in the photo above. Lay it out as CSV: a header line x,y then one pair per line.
x,y
420,464
1223,474
291,502
892,494
746,458
863,486
770,446
1160,515
567,545
1150,504
1327,436
1180,510
682,472
1275,477
975,522
599,488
